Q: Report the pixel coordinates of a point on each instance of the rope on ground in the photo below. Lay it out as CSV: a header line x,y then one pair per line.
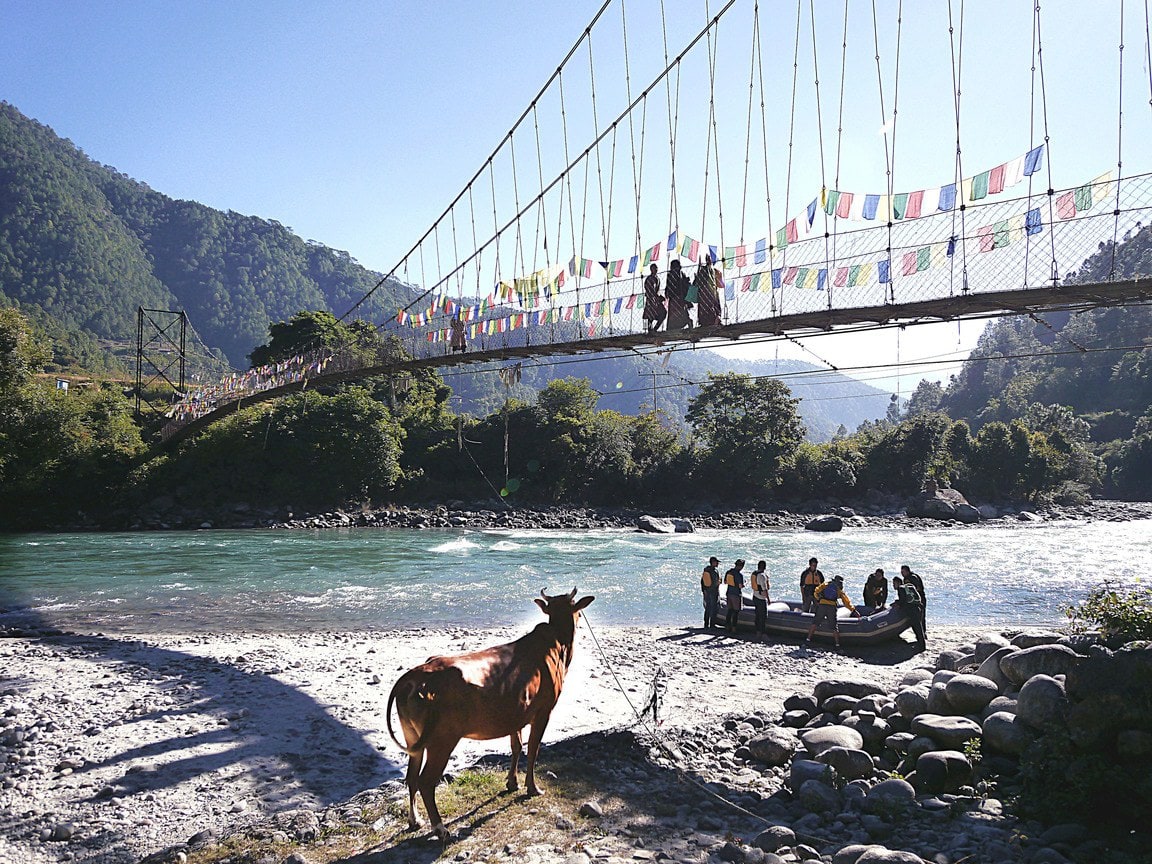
x,y
658,685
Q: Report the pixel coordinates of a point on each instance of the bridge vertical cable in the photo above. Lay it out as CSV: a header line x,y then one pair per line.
x,y
1119,146
958,173
819,136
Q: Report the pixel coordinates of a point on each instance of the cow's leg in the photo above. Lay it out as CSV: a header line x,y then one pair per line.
x,y
537,735
413,781
436,759
517,744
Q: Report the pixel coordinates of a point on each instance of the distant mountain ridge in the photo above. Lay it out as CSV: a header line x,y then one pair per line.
x,y
88,245
85,245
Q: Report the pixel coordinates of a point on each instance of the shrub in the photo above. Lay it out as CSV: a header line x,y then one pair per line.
x,y
1123,613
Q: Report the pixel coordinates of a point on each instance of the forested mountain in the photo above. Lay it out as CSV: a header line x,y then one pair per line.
x,y
1097,363
88,245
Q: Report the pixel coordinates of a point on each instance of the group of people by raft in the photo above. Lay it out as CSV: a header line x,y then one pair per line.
x,y
681,294
819,596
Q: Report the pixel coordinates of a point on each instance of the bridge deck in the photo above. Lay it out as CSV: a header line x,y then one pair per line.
x,y
984,304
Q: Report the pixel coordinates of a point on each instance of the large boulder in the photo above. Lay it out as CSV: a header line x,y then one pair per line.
x,y
987,645
938,699
949,733
942,771
935,503
969,694
872,729
1032,638
816,741
1110,693
1021,665
825,523
774,746
803,770
818,797
849,764
844,687
991,670
1043,704
656,525
1004,733
889,796
953,658
912,701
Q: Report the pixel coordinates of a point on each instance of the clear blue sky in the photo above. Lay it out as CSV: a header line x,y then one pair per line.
x,y
355,123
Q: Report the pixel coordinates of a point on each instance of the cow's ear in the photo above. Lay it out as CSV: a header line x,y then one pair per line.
x,y
583,601
543,606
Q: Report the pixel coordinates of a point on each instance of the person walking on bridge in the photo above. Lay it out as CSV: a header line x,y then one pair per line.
x,y
707,293
654,313
676,289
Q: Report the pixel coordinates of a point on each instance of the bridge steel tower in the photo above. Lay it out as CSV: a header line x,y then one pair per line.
x,y
161,336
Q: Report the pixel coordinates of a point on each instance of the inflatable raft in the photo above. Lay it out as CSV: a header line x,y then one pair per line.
x,y
784,619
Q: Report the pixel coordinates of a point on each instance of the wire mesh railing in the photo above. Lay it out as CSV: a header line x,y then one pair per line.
x,y
1022,243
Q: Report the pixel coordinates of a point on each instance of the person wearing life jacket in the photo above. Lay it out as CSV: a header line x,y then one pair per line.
x,y
760,598
912,603
809,579
828,598
734,594
710,588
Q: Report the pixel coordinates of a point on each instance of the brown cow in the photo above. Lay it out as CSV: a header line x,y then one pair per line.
x,y
483,695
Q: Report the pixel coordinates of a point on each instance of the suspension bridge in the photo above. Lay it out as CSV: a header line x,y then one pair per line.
x,y
547,251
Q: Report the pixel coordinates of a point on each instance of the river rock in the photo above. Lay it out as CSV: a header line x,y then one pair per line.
x,y
871,728
968,514
948,732
773,837
844,687
912,701
656,525
825,523
890,795
837,704
851,854
1042,703
1032,638
816,741
773,746
1000,703
818,797
801,702
938,699
991,670
942,771
883,855
1004,733
986,646
915,676
953,659
803,770
1021,665
918,746
848,763
968,694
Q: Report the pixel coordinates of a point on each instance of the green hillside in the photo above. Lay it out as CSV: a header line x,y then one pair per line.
x,y
87,245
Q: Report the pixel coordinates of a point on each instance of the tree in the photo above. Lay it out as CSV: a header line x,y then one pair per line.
x,y
22,354
747,428
925,398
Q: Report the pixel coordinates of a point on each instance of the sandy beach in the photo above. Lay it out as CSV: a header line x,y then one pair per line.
x,y
117,747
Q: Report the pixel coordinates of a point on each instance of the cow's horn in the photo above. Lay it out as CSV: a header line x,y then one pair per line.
x,y
572,596
542,594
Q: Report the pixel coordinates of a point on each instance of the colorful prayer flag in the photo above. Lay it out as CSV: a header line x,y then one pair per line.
x,y
979,186
996,180
777,277
844,204
1032,222
1033,160
915,202
831,199
884,267
871,202
761,251
632,263
672,242
947,198
841,277
652,254
690,249
1066,205
741,255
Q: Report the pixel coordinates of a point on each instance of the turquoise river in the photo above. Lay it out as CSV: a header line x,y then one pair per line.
x,y
371,579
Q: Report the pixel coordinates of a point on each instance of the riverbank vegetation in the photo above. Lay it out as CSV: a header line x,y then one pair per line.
x,y
77,455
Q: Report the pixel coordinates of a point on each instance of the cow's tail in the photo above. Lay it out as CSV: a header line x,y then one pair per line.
x,y
404,689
